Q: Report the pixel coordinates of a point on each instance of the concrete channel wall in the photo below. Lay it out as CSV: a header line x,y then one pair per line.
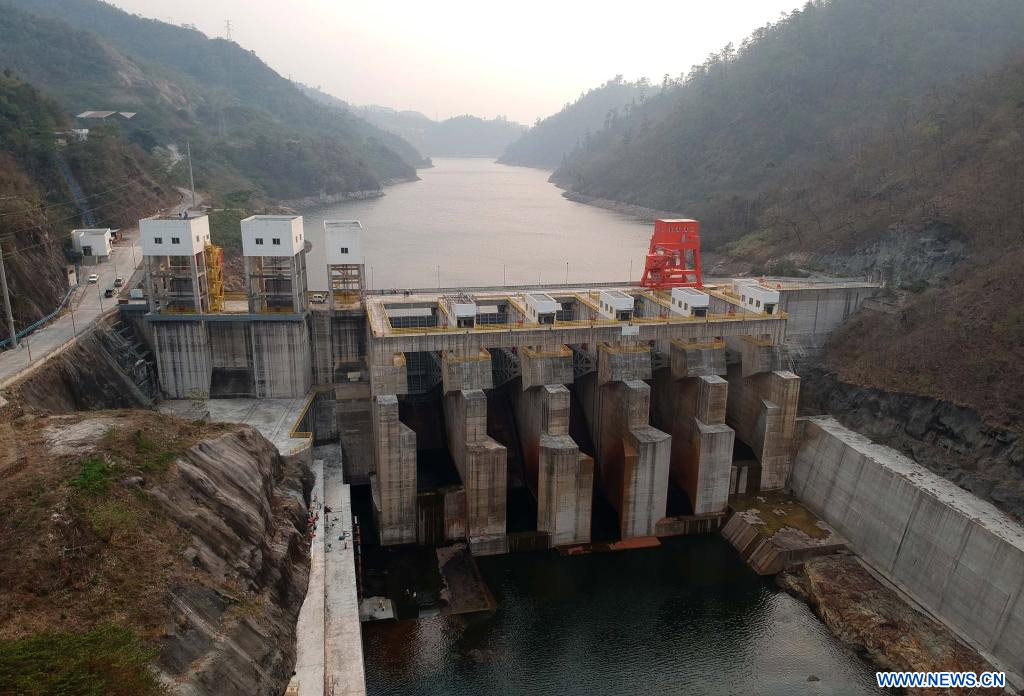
x,y
956,555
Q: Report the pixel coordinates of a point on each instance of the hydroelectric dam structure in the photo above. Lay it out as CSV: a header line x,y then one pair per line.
x,y
519,418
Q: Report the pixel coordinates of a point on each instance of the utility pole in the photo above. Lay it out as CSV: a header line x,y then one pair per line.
x,y
191,179
227,29
7,302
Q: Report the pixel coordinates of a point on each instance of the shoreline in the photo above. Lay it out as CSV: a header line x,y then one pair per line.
x,y
638,211
329,198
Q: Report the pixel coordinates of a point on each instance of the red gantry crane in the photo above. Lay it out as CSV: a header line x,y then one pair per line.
x,y
674,257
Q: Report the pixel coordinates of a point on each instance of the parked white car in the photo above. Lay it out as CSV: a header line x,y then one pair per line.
x,y
93,278
317,298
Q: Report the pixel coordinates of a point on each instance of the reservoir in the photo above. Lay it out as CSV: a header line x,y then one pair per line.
x,y
470,221
688,617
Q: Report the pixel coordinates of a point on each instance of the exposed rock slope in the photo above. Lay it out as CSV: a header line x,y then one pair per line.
x,y
191,537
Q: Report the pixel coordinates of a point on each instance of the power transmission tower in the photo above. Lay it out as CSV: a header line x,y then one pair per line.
x,y
7,302
227,29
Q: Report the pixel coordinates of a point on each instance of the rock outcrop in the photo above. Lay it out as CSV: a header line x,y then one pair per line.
x,y
244,508
951,440
875,621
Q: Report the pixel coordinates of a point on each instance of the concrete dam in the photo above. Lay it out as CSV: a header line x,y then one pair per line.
x,y
571,417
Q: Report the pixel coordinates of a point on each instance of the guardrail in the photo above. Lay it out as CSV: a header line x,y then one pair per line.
x,y
38,324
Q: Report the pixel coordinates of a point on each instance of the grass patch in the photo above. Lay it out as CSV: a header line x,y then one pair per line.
x,y
113,519
93,477
108,660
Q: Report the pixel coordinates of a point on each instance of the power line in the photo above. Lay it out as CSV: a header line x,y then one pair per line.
x,y
67,202
12,235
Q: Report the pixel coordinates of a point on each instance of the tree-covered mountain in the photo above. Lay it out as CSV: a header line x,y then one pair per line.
x,y
550,139
251,130
460,136
808,90
119,181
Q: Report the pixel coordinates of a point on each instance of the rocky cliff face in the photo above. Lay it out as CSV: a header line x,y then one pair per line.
x,y
190,536
953,441
244,509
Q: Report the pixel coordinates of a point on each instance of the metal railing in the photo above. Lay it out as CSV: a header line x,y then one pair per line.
x,y
38,324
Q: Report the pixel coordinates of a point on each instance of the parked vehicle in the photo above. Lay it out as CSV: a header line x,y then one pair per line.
x,y
109,292
118,282
93,278
317,298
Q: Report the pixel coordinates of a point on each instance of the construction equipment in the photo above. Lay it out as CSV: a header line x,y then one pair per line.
x,y
673,260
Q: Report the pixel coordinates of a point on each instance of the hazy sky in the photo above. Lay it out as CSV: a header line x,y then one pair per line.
x,y
486,57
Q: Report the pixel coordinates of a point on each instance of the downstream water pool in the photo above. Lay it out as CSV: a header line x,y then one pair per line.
x,y
688,618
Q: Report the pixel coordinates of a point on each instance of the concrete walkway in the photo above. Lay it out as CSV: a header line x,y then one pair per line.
x,y
328,636
343,639
309,632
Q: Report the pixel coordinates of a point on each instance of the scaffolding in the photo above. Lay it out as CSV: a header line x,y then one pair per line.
x,y
215,276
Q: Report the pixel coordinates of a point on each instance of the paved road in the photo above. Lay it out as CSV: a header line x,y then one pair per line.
x,y
85,306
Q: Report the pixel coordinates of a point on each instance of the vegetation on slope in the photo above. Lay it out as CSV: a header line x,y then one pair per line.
x,y
459,136
551,139
808,90
250,129
132,548
119,180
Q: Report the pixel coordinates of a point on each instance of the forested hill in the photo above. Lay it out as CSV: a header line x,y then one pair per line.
x,y
808,90
460,136
253,133
550,139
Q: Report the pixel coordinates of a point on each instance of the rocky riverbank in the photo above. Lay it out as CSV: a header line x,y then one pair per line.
x,y
875,621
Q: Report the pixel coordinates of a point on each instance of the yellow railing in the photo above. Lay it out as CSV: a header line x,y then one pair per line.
x,y
587,323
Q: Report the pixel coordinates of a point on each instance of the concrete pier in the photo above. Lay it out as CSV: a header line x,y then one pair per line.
x,y
762,409
393,483
483,465
690,404
559,475
632,457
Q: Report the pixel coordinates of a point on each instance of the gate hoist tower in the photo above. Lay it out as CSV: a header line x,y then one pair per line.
x,y
673,260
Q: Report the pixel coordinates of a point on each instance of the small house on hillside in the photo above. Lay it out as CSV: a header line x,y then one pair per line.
x,y
93,244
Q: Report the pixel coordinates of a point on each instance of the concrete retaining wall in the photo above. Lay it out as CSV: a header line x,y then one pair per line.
x,y
183,358
958,556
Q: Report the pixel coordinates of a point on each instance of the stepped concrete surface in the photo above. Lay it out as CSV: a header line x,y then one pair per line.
x,y
957,556
274,418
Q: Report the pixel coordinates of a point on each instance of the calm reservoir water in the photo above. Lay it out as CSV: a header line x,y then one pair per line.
x,y
469,217
686,618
